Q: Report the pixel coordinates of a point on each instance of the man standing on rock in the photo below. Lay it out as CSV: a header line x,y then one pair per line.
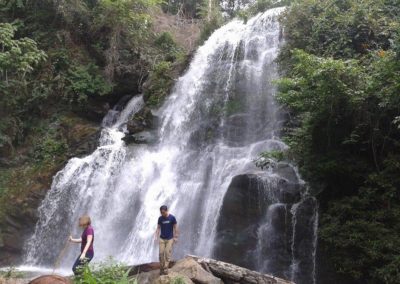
x,y
167,234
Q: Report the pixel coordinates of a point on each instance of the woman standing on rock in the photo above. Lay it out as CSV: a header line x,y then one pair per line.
x,y
86,241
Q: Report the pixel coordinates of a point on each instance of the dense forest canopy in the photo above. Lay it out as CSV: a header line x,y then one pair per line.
x,y
341,67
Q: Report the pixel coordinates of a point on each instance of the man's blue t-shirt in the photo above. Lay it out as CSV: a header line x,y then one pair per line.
x,y
167,226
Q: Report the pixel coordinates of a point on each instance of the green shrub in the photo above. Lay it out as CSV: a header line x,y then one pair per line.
x,y
168,46
210,12
178,280
109,272
84,81
160,83
50,146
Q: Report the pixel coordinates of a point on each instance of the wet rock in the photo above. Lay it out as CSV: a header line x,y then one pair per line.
x,y
141,121
242,210
82,135
144,137
50,279
94,110
305,224
245,208
286,171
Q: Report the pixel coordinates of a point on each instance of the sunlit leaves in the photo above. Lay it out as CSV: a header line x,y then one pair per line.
x,y
17,56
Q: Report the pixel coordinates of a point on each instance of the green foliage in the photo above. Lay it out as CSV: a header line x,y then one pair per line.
x,y
128,16
18,57
364,225
109,272
84,81
341,28
178,280
49,146
263,5
268,159
341,86
210,11
160,83
166,43
11,273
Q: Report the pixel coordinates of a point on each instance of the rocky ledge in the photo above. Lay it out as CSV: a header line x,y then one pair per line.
x,y
194,269
189,270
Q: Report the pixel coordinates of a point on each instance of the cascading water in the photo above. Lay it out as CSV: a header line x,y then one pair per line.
x,y
218,119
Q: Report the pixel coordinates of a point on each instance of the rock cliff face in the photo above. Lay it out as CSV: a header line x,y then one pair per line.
x,y
266,224
244,211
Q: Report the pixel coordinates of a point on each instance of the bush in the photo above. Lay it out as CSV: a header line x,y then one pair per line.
x,y
160,83
84,81
168,46
109,272
210,12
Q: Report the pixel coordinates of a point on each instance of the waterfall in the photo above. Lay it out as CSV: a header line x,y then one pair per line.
x,y
220,116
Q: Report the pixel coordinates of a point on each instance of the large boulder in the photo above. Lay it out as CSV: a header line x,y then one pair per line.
x,y
242,211
50,279
190,268
172,278
147,267
247,202
144,137
141,121
154,277
186,268
233,274
199,270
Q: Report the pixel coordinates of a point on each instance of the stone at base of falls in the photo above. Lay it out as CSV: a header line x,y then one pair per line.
x,y
194,269
187,269
144,137
147,267
172,277
141,121
50,279
230,273
244,209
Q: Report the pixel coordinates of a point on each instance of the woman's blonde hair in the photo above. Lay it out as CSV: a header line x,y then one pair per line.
x,y
84,221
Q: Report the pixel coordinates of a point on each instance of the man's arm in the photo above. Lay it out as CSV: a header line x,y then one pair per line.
x,y
157,234
176,232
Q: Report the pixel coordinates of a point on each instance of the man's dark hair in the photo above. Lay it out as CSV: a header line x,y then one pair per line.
x,y
164,208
